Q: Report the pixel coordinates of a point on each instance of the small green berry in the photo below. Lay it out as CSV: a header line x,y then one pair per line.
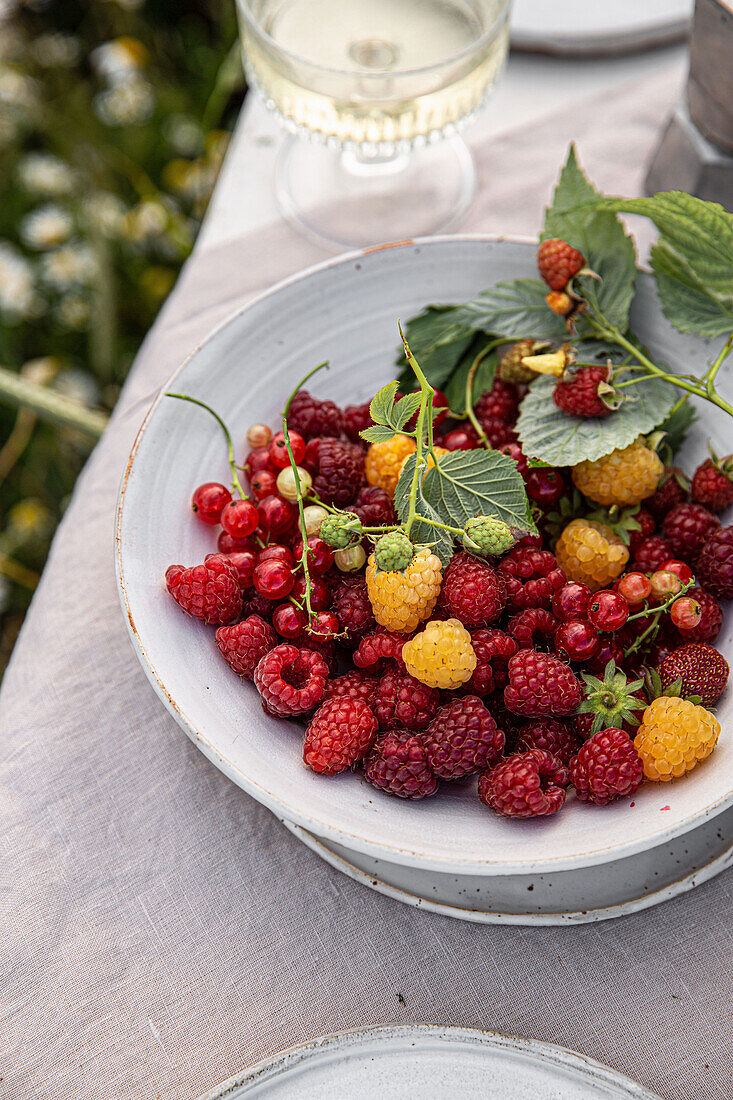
x,y
487,535
340,530
393,552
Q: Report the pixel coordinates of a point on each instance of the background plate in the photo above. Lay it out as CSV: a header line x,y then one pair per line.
x,y
433,1063
590,27
347,311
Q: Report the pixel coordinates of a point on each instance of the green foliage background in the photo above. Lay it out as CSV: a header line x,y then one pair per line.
x,y
114,119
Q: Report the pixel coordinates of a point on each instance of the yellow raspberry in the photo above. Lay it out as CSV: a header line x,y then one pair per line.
x,y
401,601
384,462
441,656
440,451
674,736
590,553
621,477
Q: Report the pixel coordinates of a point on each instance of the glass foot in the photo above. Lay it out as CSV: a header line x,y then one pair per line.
x,y
347,200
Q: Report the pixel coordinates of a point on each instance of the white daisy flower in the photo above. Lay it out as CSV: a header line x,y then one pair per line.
x,y
73,312
18,296
46,227
70,266
125,104
45,174
104,212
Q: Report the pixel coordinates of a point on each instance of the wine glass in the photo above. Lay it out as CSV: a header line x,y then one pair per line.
x,y
373,93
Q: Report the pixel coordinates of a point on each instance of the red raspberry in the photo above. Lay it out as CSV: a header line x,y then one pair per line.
x,y
255,604
607,767
354,684
340,472
493,648
291,680
715,564
398,764
651,553
379,646
374,507
535,620
324,647
541,685
351,606
401,700
311,417
551,735
686,528
712,485
578,396
701,668
340,732
462,739
209,592
672,490
501,402
532,576
558,262
355,419
527,785
647,527
243,644
472,591
708,628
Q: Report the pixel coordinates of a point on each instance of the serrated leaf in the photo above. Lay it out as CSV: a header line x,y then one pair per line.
x,y
515,309
471,483
404,409
441,542
599,235
380,408
455,391
687,302
676,426
378,433
548,433
437,343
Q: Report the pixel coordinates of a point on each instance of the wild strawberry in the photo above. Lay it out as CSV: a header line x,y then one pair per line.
x,y
558,262
578,395
701,668
712,484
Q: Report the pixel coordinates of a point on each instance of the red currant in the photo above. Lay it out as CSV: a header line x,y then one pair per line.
x,y
545,485
278,450
225,544
320,555
320,592
665,584
440,410
609,650
679,568
289,621
324,624
686,613
278,553
634,587
513,450
571,601
277,516
259,435
458,440
244,562
256,460
608,610
209,500
576,640
273,579
240,518
264,484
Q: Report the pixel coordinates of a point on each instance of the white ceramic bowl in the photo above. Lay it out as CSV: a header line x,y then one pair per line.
x,y
346,311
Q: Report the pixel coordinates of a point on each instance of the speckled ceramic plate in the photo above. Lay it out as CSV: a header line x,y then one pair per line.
x,y
434,1063
583,28
346,311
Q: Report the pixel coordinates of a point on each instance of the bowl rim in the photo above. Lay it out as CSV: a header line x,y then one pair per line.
x,y
395,852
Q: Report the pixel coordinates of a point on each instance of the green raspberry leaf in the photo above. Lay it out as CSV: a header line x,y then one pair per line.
x,y
404,409
599,235
515,310
378,433
440,542
547,433
380,408
676,426
437,342
470,483
688,303
455,391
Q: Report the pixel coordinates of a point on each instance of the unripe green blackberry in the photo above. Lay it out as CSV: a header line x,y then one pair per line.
x,y
511,368
393,552
340,530
487,535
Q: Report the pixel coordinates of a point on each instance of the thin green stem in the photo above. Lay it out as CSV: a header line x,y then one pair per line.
x,y
443,526
230,446
469,397
709,377
426,397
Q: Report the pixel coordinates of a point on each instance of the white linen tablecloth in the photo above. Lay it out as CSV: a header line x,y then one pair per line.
x,y
161,930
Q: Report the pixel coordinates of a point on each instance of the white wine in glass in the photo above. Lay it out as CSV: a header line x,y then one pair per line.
x,y
380,87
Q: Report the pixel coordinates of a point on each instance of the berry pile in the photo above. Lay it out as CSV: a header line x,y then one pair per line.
x,y
577,658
